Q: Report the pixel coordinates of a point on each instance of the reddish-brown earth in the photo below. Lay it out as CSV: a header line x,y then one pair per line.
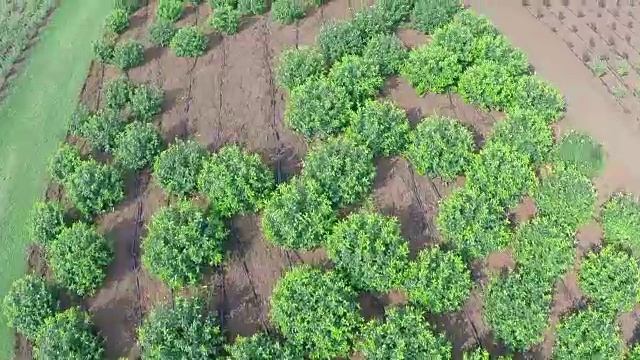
x,y
229,96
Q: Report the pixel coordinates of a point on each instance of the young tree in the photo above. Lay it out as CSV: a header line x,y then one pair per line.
x,y
297,65
68,335
102,128
387,52
117,92
225,19
252,7
146,102
117,21
496,48
620,219
428,15
28,304
261,346
103,48
432,69
64,163
359,77
95,188
587,333
337,39
170,10
161,32
381,126
46,222
531,92
137,146
128,55
288,11
488,85
189,42
176,169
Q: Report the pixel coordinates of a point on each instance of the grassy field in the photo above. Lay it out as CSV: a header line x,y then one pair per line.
x,y
33,119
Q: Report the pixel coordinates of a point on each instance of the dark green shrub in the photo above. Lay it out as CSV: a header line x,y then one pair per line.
x,y
360,78
182,241
288,11
496,48
117,21
170,10
102,129
620,219
68,335
235,182
95,188
317,312
488,85
225,19
146,101
611,279
103,49
441,147
128,55
79,258
403,334
64,162
532,93
432,69
79,117
29,302
344,170
381,126
369,250
46,221
516,307
387,52
252,7
586,334
297,65
117,92
318,109
527,132
298,215
458,39
580,152
438,281
428,15
567,199
161,32
337,39
395,12
472,224
501,174
261,347
137,146
189,41
543,251
176,169
186,330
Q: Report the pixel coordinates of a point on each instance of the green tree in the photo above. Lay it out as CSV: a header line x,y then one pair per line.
x,y
317,312
117,21
580,152
128,55
102,128
359,77
46,221
146,102
620,219
161,32
344,170
441,147
298,215
64,163
288,11
189,41
432,69
79,117
428,15
479,25
28,304
137,146
182,241
477,354
261,347
117,92
235,182
456,38
387,52
371,22
79,258
531,92
176,169
103,48
488,85
298,65
403,334
337,39
381,126
68,335
252,7
186,330
395,12
170,10
588,334
496,48
225,19
95,188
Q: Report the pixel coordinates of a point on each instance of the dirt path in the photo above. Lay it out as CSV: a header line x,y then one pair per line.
x,y
590,107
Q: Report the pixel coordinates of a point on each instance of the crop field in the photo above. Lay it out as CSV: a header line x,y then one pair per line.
x,y
381,179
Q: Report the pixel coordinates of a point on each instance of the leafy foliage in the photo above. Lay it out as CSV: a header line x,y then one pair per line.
x,y
79,258
344,170
580,152
185,330
620,219
531,92
472,224
176,169
317,311
387,52
370,22
297,65
28,303
117,21
95,188
117,92
359,77
381,126
479,25
235,182
128,55
102,129
612,279
318,108
403,334
517,309
146,101
488,85
298,216
428,15
288,11
161,32
501,173
68,335
432,69
182,241
64,163
103,48
130,6
496,48
189,41
395,12
337,39
79,117
588,334
634,352
527,133
441,147
543,251
567,199
261,347
457,39
46,221
225,19
476,354
369,250
170,10
252,7
137,146
438,281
